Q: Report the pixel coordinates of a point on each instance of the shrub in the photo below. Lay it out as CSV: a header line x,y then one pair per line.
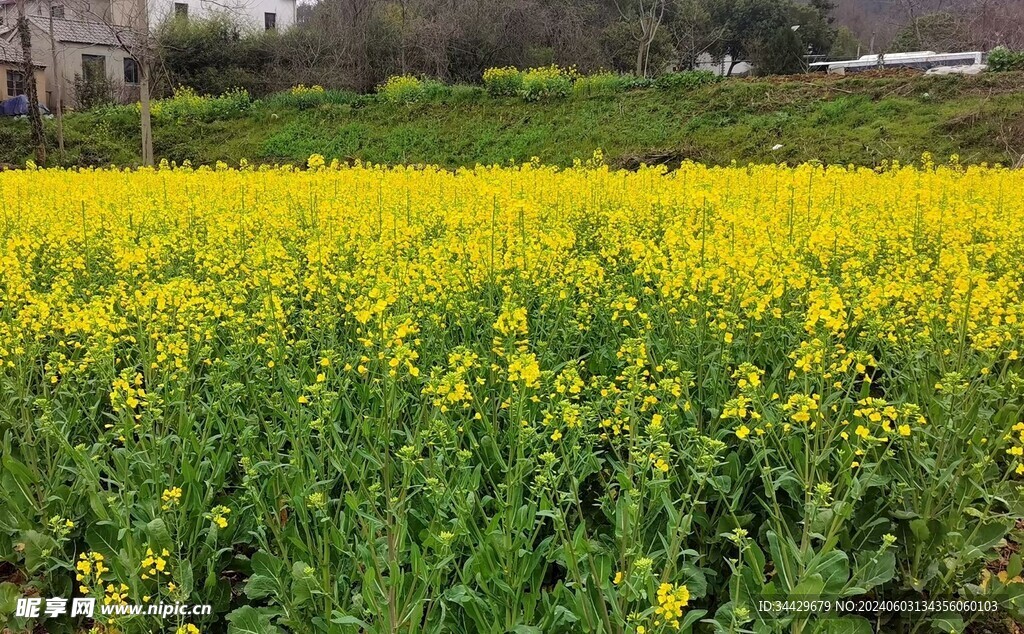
x,y
636,82
460,93
686,80
302,90
434,90
303,97
402,89
93,90
602,83
215,55
186,105
1002,59
781,54
547,82
13,142
110,111
119,119
503,82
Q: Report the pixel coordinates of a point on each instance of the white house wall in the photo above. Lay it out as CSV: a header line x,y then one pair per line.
x,y
69,64
250,13
73,10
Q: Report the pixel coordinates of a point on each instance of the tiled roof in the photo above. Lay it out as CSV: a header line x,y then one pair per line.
x,y
10,53
81,32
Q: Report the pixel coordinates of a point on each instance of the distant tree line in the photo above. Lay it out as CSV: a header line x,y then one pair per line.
x,y
358,44
967,25
941,25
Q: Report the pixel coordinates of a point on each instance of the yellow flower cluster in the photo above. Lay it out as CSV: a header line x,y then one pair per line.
x,y
524,367
115,595
90,569
218,515
128,394
60,526
155,564
401,89
302,90
171,497
316,161
1016,448
671,601
316,501
532,83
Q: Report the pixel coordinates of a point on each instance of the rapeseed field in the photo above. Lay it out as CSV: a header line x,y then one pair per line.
x,y
514,399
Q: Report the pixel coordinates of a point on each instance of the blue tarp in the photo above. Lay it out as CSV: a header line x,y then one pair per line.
x,y
16,106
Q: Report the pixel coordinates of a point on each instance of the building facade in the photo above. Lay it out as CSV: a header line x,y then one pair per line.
x,y
12,73
252,14
94,40
90,55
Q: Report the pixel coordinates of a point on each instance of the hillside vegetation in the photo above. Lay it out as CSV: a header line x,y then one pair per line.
x,y
860,120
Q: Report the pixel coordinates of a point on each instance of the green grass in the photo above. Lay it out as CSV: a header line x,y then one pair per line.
x,y
855,120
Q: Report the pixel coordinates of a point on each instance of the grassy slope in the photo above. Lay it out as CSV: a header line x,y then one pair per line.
x,y
857,120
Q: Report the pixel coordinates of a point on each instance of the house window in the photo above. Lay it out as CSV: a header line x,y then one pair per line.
x,y
181,9
270,21
57,10
131,71
15,83
94,67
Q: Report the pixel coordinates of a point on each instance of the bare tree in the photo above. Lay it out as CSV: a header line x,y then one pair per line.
x,y
992,23
693,31
31,90
948,25
649,15
348,25
912,8
403,46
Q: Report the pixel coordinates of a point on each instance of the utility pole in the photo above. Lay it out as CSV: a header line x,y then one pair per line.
x,y
142,55
58,89
131,30
31,90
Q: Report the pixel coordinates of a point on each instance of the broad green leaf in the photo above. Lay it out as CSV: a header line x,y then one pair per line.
x,y
38,549
261,586
877,568
948,622
250,620
919,527
159,536
304,582
345,619
811,587
9,594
